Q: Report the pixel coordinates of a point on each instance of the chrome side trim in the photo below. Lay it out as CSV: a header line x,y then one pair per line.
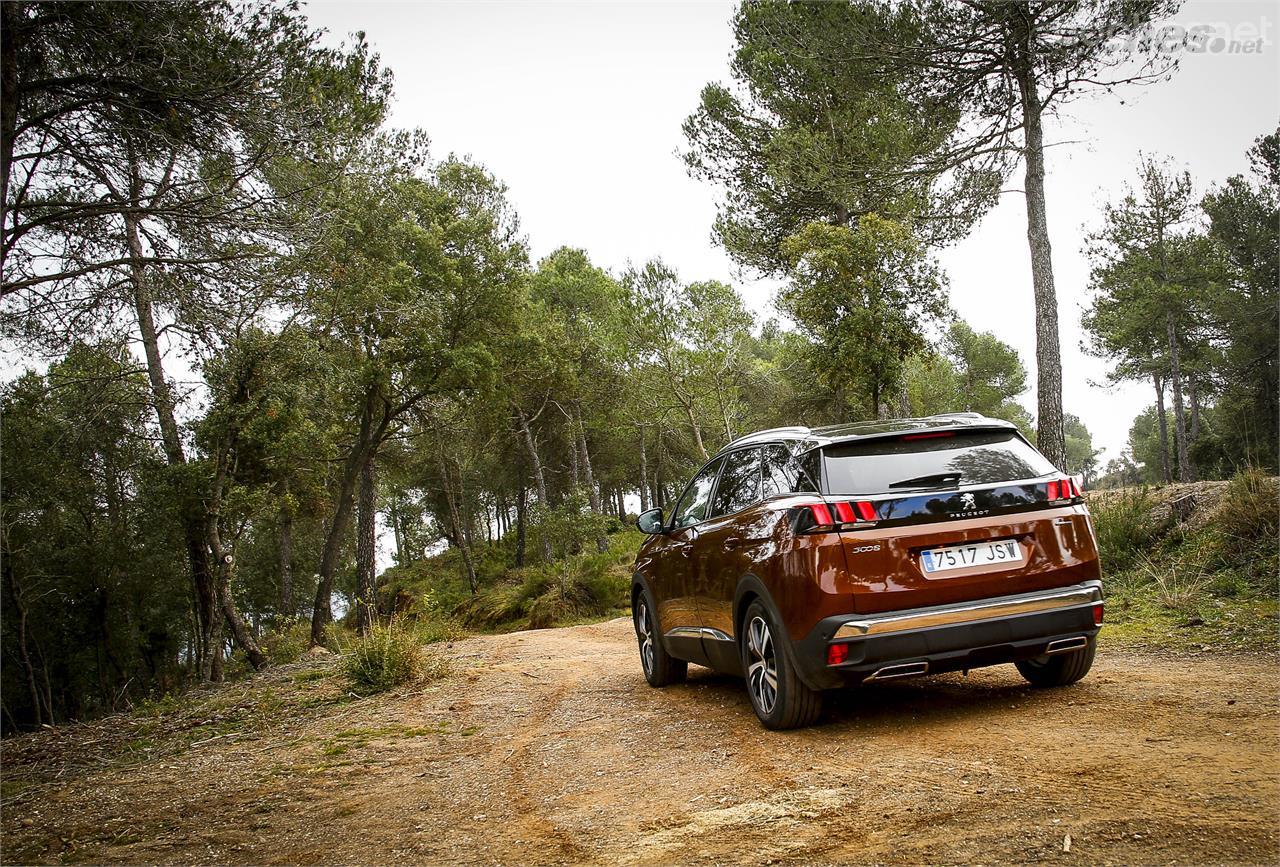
x,y
1059,598
697,632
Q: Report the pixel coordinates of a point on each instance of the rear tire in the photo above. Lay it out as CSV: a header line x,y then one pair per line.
x,y
778,696
660,668
1061,670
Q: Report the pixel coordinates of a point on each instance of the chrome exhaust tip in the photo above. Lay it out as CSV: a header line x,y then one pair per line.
x,y
906,669
1066,645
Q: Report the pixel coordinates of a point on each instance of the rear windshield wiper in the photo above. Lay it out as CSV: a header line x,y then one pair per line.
x,y
935,480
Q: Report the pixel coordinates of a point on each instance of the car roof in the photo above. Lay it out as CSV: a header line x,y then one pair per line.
x,y
808,438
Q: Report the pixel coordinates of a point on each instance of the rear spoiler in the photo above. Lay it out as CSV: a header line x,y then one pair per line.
x,y
913,433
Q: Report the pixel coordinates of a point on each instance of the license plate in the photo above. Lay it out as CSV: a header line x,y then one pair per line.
x,y
962,556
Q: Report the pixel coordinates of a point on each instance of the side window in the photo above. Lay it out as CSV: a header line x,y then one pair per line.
x,y
692,508
779,474
739,485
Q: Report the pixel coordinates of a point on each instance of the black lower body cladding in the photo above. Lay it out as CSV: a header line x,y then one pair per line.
x,y
956,646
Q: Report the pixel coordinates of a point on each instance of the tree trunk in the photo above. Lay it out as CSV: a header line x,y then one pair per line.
x,y
1194,396
1186,472
286,561
644,475
1050,436
239,630
723,406
574,456
10,22
42,714
602,541
225,564
697,431
366,549
521,502
217,643
468,517
538,477
396,528
1165,475
459,533
202,574
322,614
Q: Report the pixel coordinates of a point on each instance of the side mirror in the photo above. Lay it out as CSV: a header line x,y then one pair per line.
x,y
650,522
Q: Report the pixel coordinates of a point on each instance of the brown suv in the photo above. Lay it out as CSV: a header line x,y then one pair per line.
x,y
810,559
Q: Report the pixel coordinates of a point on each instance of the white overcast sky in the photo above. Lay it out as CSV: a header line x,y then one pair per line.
x,y
577,107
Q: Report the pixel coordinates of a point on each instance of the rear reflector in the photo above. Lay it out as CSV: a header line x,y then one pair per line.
x,y
837,653
1097,614
844,511
821,514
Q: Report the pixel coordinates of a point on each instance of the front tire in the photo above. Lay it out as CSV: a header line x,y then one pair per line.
x,y
1061,670
660,668
778,696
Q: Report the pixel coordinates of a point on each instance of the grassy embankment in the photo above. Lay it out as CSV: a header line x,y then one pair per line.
x,y
1205,580
434,603
575,589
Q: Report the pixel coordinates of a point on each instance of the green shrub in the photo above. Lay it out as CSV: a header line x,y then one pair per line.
x,y
287,642
1125,529
390,655
1229,584
1247,527
1178,589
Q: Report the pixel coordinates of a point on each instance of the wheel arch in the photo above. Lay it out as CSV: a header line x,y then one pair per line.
x,y
750,588
640,584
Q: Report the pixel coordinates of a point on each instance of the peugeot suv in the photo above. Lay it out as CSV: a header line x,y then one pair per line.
x,y
811,559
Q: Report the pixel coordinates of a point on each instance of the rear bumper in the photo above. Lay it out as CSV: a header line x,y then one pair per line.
x,y
949,637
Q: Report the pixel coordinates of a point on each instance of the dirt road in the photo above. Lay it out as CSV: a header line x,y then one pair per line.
x,y
547,747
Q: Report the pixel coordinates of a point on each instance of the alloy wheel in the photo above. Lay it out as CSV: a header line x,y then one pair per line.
x,y
762,666
644,635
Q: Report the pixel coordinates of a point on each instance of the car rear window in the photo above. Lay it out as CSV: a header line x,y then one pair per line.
x,y
979,457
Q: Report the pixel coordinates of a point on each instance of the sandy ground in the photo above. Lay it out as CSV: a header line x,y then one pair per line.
x,y
548,747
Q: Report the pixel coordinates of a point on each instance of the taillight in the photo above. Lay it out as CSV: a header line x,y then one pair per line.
x,y
823,517
812,519
837,653
1097,614
1062,489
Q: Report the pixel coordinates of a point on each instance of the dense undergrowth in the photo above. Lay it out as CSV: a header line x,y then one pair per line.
x,y
432,602
570,589
1203,580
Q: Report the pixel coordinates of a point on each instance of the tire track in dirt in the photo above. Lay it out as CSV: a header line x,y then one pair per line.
x,y
536,830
